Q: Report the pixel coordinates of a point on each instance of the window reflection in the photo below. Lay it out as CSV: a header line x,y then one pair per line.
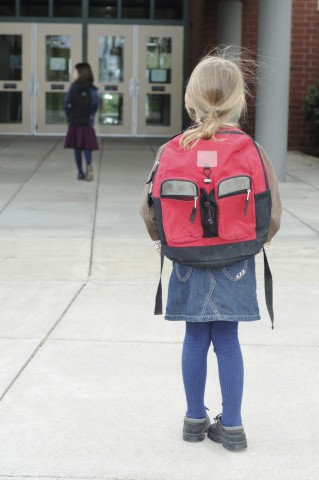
x,y
54,113
158,109
140,9
7,8
158,59
169,9
11,107
163,9
111,52
111,108
40,8
103,8
67,8
11,57
58,58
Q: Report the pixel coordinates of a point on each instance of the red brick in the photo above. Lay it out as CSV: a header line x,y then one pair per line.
x,y
304,54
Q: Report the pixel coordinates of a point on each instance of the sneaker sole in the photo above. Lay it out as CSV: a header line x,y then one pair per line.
x,y
198,437
233,447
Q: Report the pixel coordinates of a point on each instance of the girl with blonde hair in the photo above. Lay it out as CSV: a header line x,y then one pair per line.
x,y
212,301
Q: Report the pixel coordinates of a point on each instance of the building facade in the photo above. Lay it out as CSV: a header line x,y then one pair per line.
x,y
304,60
142,52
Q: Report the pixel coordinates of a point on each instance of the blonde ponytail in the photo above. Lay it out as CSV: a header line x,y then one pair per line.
x,y
209,124
215,98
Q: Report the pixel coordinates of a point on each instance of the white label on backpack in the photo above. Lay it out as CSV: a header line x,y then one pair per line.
x,y
207,158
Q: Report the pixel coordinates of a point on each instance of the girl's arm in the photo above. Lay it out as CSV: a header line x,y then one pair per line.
x,y
276,209
147,211
96,100
67,96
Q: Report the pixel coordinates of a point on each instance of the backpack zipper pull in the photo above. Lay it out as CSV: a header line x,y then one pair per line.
x,y
193,215
247,201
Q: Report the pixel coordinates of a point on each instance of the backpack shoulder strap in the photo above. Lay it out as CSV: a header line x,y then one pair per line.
x,y
268,289
158,300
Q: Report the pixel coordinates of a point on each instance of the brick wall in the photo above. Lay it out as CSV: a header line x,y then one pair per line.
x,y
249,41
202,35
304,68
304,55
202,29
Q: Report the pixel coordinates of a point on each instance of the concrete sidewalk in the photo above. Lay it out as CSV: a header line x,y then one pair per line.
x,y
90,380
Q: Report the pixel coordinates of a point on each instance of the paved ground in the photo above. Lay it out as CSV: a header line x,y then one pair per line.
x,y
90,382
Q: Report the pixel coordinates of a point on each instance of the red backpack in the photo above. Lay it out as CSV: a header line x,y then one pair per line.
x,y
212,203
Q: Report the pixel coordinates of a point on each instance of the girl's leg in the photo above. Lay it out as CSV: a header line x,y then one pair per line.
x,y
78,160
89,168
194,367
88,156
225,340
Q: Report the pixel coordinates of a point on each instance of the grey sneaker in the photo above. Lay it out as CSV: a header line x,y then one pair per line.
x,y
232,438
89,173
195,429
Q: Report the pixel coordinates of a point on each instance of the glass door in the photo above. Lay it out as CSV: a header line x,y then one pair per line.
x,y
138,71
58,49
110,51
160,72
15,78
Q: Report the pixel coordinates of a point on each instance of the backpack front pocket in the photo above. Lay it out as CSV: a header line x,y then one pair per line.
x,y
236,208
181,220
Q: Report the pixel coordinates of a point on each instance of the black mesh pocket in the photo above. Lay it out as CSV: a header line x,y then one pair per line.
x,y
208,210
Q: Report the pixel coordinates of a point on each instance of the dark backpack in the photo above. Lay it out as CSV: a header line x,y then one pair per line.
x,y
212,203
79,107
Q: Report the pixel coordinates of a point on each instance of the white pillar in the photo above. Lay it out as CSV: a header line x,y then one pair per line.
x,y
229,22
272,102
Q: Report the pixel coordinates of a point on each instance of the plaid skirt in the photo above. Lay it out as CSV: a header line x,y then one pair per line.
x,y
81,136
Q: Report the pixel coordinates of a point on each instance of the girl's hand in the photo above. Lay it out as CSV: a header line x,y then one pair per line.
x,y
158,246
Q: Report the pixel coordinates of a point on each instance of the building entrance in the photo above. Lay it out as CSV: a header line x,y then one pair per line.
x,y
35,72
138,71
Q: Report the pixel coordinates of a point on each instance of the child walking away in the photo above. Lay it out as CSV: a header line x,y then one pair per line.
x,y
80,105
210,204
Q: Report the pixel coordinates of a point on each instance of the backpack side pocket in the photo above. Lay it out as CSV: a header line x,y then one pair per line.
x,y
236,209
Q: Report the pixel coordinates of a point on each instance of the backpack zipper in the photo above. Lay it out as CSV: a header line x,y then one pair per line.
x,y
193,214
247,201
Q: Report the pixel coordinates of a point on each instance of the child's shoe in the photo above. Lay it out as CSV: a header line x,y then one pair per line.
x,y
232,438
195,429
89,173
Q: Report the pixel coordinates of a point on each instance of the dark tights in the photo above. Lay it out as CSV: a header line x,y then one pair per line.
x,y
78,158
224,337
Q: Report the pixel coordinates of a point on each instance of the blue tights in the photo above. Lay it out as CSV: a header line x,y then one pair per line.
x,y
78,158
224,336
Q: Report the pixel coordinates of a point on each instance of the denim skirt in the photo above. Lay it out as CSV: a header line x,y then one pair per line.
x,y
205,295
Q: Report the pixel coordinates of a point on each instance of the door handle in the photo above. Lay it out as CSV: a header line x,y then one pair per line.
x,y
137,87
33,87
30,86
36,87
134,87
